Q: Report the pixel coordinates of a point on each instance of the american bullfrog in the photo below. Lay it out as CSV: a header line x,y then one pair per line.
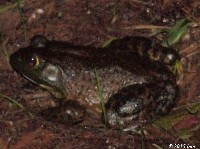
x,y
133,74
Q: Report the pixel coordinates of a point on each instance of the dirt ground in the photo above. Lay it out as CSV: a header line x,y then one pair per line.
x,y
88,22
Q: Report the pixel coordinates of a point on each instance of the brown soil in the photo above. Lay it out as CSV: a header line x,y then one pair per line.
x,y
88,23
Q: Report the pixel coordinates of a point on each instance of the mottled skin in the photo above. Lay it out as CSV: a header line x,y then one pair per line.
x,y
133,74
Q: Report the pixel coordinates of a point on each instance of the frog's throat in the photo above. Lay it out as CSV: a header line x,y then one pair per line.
x,y
56,92
29,79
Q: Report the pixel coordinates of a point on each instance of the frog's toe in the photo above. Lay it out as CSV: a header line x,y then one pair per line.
x,y
166,99
124,123
114,119
132,106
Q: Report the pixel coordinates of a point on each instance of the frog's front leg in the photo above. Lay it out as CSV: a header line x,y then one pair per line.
x,y
67,112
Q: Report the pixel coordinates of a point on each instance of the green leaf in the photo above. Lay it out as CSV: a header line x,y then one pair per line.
x,y
6,53
178,68
108,42
10,100
177,122
60,14
11,6
102,100
13,101
4,48
157,146
177,32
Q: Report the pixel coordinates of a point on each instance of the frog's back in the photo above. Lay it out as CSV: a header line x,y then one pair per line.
x,y
116,66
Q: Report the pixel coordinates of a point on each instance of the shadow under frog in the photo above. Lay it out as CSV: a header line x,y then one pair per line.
x,y
134,75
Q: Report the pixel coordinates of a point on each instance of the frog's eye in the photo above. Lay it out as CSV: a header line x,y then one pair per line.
x,y
39,41
32,61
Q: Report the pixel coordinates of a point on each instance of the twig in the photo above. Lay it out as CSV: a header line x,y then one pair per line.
x,y
137,27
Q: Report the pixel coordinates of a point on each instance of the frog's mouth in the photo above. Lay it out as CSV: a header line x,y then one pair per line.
x,y
53,90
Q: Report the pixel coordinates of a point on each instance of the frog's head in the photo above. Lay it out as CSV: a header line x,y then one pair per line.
x,y
167,56
30,62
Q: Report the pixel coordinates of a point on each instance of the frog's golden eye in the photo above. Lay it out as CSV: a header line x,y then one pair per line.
x,y
32,61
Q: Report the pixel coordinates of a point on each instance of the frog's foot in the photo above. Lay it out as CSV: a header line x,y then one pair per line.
x,y
122,112
66,113
166,99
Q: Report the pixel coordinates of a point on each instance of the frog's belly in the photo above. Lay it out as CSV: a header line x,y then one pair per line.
x,y
82,85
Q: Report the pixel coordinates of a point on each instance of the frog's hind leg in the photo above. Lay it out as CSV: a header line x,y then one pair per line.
x,y
125,106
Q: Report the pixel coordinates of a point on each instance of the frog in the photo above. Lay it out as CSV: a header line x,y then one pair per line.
x,y
115,82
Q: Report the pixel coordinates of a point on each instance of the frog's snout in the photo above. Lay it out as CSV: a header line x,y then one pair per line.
x,y
14,61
